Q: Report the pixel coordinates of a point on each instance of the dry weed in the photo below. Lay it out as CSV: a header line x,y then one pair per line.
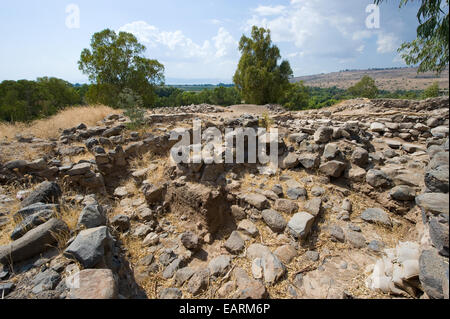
x,y
52,126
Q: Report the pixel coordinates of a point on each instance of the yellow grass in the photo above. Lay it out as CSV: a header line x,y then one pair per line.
x,y
52,126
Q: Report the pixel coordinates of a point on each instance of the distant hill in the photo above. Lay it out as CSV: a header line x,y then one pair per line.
x,y
389,79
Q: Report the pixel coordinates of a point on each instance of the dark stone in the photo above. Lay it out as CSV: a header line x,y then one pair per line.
x,y
47,192
432,273
439,235
33,242
31,222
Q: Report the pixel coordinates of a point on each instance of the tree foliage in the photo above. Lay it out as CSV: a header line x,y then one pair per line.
x,y
115,62
259,77
430,50
296,97
28,100
431,91
364,88
220,95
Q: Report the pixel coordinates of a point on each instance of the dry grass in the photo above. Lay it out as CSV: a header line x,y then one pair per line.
x,y
51,127
136,252
70,215
155,164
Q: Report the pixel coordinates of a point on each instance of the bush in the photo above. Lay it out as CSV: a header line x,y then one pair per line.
x,y
364,88
132,104
296,97
25,101
221,95
265,121
431,91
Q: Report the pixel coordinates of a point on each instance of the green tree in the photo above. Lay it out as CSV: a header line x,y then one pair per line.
x,y
430,50
364,88
115,62
27,100
296,97
259,77
60,93
431,91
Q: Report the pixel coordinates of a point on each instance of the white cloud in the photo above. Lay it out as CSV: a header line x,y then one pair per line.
x,y
215,21
224,43
173,40
318,28
362,34
360,49
269,10
183,56
387,42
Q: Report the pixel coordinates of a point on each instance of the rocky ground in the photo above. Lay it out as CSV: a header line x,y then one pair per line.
x,y
357,209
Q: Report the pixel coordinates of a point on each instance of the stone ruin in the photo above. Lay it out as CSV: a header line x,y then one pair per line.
x,y
357,208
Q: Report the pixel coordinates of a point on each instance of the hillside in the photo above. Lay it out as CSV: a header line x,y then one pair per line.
x,y
386,79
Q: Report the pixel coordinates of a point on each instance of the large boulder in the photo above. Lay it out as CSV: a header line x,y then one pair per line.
x,y
403,193
433,274
90,247
309,160
33,209
189,240
286,206
219,265
290,161
437,180
300,224
248,288
235,244
273,268
46,192
378,179
323,134
360,156
256,200
33,242
332,168
79,169
31,222
274,220
439,232
208,206
376,216
199,281
93,284
92,216
435,203
154,193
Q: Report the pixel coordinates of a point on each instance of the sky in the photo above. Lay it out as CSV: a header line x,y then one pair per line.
x,y
197,41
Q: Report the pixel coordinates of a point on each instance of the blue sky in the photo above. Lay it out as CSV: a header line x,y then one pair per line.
x,y
197,40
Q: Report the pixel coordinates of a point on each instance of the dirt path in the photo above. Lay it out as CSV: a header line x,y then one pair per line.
x,y
241,109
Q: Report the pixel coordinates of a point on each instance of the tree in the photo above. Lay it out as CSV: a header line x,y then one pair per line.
x,y
60,93
27,100
430,50
115,62
364,88
258,77
431,91
296,97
